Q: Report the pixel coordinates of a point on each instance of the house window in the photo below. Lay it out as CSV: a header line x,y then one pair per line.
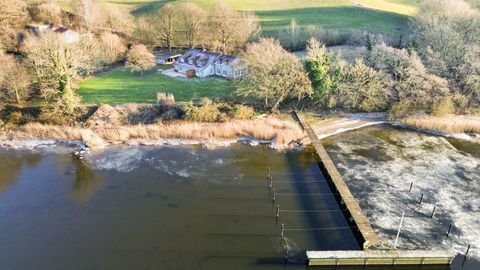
x,y
218,70
224,73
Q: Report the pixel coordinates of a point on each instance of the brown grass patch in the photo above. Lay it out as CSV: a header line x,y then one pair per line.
x,y
446,124
283,132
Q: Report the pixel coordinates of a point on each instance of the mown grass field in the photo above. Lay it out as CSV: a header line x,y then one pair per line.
x,y
386,16
120,86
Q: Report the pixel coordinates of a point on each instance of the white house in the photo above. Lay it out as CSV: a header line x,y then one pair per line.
x,y
68,35
201,63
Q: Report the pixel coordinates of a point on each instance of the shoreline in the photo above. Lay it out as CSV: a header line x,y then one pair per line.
x,y
338,124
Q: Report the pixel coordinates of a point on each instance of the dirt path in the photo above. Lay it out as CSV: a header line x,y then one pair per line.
x,y
328,127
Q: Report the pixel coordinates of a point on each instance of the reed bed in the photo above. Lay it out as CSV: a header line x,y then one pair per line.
x,y
447,124
280,131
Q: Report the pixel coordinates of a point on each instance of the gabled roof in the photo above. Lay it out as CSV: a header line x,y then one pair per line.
x,y
200,59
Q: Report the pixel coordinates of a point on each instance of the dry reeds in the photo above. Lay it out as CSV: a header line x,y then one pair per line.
x,y
447,124
280,131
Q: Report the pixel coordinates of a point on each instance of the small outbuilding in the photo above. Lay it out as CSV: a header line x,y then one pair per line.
x,y
166,58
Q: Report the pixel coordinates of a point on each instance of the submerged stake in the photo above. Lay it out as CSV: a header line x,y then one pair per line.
x,y
283,228
411,185
449,230
466,253
421,199
278,211
268,172
433,212
273,198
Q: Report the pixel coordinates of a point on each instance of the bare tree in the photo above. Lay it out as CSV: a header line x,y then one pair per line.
x,y
139,58
14,81
46,11
13,14
55,65
224,22
193,19
111,47
163,23
90,12
274,74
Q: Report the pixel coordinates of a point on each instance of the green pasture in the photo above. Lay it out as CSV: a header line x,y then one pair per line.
x,y
120,86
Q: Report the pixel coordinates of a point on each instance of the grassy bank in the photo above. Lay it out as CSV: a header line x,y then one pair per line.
x,y
447,124
280,131
120,86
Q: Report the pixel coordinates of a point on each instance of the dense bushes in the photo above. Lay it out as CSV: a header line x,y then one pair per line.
x,y
216,112
447,36
362,89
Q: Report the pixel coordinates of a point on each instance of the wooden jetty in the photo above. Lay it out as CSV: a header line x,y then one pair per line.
x,y
361,221
379,257
373,253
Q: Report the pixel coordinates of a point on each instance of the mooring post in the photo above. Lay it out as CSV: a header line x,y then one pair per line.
x,y
449,229
273,198
411,186
278,211
286,251
283,228
468,249
421,199
433,212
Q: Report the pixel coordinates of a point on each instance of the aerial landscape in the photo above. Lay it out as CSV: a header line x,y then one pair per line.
x,y
239,134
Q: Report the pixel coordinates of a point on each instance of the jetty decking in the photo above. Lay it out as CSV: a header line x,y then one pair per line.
x,y
378,257
354,210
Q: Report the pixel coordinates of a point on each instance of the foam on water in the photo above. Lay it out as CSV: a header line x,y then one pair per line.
x,y
379,169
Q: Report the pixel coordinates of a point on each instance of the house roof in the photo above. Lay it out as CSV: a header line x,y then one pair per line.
x,y
199,59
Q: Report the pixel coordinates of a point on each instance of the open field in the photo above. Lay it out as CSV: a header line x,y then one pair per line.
x,y
386,16
121,86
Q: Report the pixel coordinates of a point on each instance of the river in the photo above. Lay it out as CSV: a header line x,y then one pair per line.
x,y
164,208
186,207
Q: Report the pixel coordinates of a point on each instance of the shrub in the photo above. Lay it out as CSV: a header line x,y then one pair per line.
x,y
165,98
16,118
444,107
401,109
362,89
205,113
242,112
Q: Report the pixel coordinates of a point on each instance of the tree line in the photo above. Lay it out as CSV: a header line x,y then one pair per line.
x,y
438,71
187,25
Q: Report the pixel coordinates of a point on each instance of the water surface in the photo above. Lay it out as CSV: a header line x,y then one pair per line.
x,y
164,208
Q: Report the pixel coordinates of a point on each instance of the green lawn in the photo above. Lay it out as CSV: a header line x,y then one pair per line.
x,y
121,86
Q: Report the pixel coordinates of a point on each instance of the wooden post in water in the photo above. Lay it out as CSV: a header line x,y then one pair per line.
x,y
268,172
271,184
468,249
421,199
433,212
283,228
273,198
411,186
449,230
278,211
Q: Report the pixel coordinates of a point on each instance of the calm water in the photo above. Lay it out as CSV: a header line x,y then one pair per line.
x,y
164,208
379,165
